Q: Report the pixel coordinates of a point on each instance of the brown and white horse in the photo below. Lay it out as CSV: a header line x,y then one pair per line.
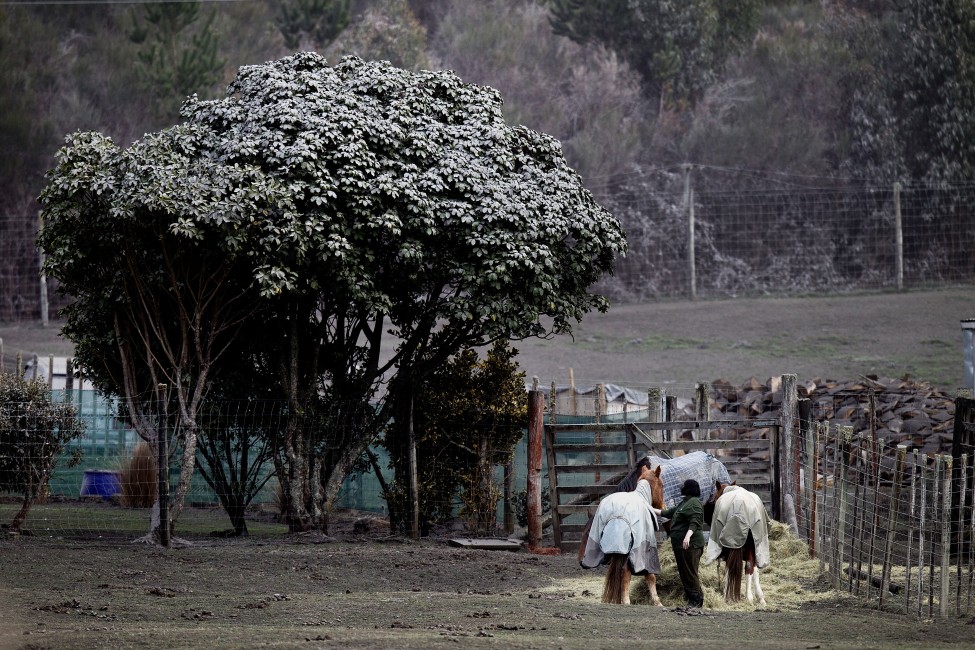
x,y
616,587
739,536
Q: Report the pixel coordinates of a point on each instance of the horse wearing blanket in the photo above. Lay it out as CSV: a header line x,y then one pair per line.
x,y
739,535
670,474
701,466
623,535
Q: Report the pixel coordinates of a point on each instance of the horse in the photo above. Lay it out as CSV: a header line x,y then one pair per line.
x,y
701,466
739,536
625,536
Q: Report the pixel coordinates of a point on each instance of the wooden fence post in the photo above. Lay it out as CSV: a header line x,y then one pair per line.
x,y
845,437
702,407
922,498
910,531
787,418
536,415
959,548
162,463
805,485
892,515
689,207
654,405
946,462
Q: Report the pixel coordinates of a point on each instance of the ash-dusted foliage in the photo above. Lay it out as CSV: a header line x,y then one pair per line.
x,y
300,218
34,431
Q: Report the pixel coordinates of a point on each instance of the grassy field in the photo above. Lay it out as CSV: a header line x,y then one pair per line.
x,y
916,333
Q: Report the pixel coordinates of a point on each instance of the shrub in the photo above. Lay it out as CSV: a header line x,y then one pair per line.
x,y
34,431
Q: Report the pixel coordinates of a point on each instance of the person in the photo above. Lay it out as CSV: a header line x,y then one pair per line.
x,y
687,539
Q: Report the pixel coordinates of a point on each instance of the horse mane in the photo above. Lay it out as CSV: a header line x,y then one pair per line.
x,y
629,482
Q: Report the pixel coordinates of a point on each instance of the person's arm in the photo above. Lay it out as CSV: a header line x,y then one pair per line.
x,y
695,522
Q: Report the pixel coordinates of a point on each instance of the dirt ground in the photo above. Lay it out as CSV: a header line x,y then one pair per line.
x,y
373,591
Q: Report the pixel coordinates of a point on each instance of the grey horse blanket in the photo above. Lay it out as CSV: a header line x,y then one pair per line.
x,y
624,524
737,512
698,465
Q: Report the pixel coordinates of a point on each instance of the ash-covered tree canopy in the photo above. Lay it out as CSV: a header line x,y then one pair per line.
x,y
328,205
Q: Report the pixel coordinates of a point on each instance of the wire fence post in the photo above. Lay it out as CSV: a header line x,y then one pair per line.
x,y
898,238
162,446
689,207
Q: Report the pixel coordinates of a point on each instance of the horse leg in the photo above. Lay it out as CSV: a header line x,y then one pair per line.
x,y
758,588
751,571
626,584
652,586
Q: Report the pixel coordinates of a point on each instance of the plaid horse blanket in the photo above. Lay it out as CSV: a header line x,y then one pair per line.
x,y
698,465
737,513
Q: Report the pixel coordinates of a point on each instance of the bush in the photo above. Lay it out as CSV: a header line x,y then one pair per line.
x,y
34,431
140,478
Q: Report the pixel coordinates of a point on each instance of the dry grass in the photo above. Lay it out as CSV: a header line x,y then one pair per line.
x,y
139,478
783,581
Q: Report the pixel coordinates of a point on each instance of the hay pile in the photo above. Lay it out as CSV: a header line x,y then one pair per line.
x,y
784,581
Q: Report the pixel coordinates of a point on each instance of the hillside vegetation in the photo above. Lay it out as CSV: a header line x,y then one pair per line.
x,y
760,96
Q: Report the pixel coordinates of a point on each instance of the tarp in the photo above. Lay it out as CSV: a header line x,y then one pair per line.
x,y
698,465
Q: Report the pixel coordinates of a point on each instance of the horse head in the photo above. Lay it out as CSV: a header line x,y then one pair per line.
x,y
652,476
709,506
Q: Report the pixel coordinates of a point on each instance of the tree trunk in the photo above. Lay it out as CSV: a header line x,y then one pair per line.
x,y
185,475
18,521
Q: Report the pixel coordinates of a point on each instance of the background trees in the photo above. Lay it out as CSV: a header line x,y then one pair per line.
x,y
776,87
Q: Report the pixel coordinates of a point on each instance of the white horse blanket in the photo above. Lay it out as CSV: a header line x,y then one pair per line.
x,y
736,512
698,465
624,524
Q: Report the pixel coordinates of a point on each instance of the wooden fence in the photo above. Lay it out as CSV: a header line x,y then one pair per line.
x,y
892,525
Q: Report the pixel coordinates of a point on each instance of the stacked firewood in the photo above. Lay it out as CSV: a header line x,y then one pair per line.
x,y
906,411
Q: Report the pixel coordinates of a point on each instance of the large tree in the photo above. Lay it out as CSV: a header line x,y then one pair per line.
x,y
384,219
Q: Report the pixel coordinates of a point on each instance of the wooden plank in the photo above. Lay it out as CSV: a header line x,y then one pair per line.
x,y
584,448
762,423
568,510
710,445
587,489
592,469
486,543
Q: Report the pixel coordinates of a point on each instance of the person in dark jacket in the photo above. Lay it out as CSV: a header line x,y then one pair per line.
x,y
687,540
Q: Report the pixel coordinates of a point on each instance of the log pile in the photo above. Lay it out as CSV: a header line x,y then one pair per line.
x,y
907,411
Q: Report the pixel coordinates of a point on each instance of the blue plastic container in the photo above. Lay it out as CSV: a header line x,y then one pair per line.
x,y
103,483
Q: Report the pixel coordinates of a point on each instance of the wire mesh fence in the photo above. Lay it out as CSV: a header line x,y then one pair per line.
x,y
690,235
889,522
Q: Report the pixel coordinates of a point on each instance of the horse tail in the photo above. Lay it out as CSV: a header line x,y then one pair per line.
x,y
732,591
615,574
